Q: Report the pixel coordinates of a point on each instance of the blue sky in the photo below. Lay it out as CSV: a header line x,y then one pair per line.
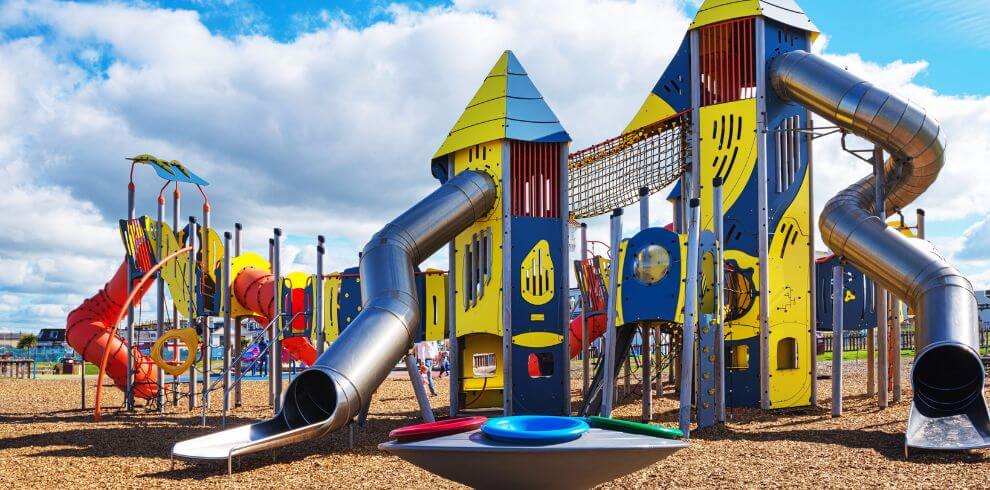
x,y
331,132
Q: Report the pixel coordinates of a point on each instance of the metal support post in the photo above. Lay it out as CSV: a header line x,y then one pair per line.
x,y
719,280
238,341
160,299
585,358
646,347
608,388
321,333
277,344
838,291
204,245
176,322
129,388
881,298
422,399
193,298
271,333
227,303
690,318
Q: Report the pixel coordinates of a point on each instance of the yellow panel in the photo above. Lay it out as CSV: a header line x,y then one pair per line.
x,y
485,316
483,112
619,319
331,306
488,131
481,392
906,231
791,302
652,110
237,264
297,279
749,325
718,147
536,275
537,340
176,271
714,11
436,305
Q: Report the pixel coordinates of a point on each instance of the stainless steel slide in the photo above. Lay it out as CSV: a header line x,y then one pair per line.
x,y
331,393
948,410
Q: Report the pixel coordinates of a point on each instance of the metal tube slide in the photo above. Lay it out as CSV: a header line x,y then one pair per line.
x,y
331,393
947,376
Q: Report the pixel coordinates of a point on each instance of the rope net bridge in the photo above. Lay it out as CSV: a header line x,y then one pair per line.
x,y
610,174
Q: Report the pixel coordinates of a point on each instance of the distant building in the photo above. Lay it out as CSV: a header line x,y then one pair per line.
x,y
51,337
9,339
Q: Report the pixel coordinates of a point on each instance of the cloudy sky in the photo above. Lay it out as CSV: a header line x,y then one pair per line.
x,y
320,116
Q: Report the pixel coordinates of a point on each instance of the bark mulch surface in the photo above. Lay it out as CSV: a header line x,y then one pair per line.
x,y
46,441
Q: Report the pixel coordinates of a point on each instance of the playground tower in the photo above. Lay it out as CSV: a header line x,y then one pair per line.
x,y
509,269
746,136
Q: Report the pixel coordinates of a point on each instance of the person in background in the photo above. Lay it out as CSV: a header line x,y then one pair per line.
x,y
426,353
263,362
444,364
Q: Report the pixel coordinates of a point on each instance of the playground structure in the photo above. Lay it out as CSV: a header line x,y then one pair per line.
x,y
729,286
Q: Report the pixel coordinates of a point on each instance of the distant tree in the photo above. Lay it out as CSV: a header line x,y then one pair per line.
x,y
27,341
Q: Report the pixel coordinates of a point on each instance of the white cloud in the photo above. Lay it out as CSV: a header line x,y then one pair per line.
x,y
330,133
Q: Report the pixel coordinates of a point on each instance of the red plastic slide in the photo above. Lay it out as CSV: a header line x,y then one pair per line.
x,y
253,289
88,327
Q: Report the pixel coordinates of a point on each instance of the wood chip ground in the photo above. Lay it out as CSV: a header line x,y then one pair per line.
x,y
47,441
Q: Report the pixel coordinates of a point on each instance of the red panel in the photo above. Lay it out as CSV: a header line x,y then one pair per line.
x,y
535,179
726,61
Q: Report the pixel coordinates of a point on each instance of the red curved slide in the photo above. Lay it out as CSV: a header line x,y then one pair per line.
x,y
253,289
88,327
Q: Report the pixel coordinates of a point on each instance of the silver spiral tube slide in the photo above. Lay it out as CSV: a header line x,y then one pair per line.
x,y
333,391
948,374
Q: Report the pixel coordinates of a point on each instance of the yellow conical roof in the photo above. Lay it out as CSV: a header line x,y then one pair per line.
x,y
783,11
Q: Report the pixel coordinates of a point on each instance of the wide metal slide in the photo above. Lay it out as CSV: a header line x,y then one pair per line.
x,y
331,393
948,411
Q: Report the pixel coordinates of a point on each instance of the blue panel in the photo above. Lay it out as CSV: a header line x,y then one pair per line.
x,y
706,372
541,132
859,311
675,193
513,66
658,301
521,87
743,385
674,85
541,395
531,110
349,297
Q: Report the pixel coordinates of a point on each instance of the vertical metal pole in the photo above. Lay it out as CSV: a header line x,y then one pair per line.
x,y
762,211
585,359
813,327
129,391
425,410
690,317
238,342
227,303
160,299
838,291
719,300
277,345
193,298
895,348
564,279
271,330
454,357
82,381
321,332
204,245
871,369
644,328
608,386
882,358
176,322
507,320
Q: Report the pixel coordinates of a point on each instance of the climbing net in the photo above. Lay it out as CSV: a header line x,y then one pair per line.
x,y
610,174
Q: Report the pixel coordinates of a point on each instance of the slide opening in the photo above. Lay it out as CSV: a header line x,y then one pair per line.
x,y
311,398
947,378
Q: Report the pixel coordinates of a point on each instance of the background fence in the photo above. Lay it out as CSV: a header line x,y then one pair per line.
x,y
856,341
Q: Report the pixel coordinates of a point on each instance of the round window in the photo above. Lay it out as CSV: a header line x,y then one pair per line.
x,y
652,264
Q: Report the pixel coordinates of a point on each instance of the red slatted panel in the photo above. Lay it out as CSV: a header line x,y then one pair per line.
x,y
727,61
535,174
